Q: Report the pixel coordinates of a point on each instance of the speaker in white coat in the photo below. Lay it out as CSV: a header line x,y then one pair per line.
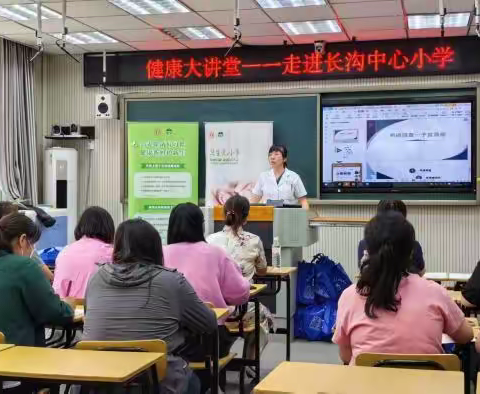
x,y
61,183
106,106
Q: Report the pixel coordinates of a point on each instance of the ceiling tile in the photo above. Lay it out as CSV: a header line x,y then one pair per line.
x,y
13,28
138,35
298,14
224,43
114,22
450,32
257,29
30,39
368,9
189,19
310,38
265,40
372,35
431,6
56,26
79,9
218,5
348,1
109,47
72,49
28,1
354,25
226,17
157,45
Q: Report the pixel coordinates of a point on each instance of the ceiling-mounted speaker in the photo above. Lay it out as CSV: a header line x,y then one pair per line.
x,y
106,106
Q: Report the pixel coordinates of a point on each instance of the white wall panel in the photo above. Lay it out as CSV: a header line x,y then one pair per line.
x,y
450,235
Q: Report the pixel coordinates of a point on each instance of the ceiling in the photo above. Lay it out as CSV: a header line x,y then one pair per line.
x,y
365,20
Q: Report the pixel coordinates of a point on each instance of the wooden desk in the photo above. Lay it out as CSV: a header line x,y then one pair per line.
x,y
79,314
221,312
306,378
256,288
282,271
447,277
456,296
337,221
5,346
69,365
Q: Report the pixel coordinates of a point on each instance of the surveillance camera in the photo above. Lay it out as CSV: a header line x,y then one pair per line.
x,y
320,46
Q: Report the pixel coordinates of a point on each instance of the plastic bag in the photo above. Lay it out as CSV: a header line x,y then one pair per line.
x,y
305,283
49,255
330,279
298,322
319,321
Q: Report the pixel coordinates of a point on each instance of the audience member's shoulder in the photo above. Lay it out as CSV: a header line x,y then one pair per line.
x,y
350,292
424,284
23,265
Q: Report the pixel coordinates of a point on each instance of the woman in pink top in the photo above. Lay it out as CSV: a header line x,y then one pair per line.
x,y
213,275
78,261
390,310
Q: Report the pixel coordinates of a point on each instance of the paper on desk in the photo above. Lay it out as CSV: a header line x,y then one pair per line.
x,y
435,275
458,276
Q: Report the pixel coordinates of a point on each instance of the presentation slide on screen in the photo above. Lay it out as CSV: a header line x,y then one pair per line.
x,y
401,143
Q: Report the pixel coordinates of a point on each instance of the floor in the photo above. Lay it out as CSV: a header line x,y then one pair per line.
x,y
274,353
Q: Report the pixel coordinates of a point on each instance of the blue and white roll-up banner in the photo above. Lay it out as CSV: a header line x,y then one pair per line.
x,y
236,153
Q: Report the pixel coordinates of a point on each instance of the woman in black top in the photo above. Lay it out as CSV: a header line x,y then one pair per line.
x,y
418,264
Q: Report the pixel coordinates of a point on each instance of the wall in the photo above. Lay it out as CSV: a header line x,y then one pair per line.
x,y
450,235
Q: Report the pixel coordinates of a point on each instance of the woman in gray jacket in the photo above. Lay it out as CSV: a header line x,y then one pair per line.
x,y
135,297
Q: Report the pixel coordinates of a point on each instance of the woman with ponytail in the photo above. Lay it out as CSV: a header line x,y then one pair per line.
x,y
245,248
390,310
28,301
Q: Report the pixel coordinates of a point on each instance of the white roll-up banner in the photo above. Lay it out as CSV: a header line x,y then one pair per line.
x,y
236,153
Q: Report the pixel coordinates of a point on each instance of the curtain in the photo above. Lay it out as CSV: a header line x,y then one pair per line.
x,y
18,157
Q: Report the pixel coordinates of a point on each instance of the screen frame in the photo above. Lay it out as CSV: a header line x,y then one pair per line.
x,y
390,98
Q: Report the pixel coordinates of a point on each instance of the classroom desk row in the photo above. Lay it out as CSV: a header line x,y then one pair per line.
x,y
306,378
68,366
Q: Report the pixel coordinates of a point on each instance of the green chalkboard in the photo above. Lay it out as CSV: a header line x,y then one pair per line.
x,y
295,125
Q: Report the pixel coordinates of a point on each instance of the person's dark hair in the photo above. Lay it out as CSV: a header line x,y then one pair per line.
x,y
97,223
392,205
13,226
236,210
185,224
390,240
281,149
137,241
7,207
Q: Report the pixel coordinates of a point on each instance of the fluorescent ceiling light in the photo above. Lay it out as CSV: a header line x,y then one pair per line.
x,y
194,33
312,27
93,37
288,3
145,7
25,12
432,21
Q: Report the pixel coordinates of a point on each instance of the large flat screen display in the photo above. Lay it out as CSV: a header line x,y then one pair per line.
x,y
397,147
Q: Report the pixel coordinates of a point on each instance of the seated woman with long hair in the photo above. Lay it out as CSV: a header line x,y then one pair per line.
x,y
136,297
246,249
211,272
79,261
28,302
390,310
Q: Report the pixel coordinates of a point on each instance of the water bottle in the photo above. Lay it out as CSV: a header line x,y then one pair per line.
x,y
276,253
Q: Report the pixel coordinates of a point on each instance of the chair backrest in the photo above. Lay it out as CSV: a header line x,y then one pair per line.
x,y
148,345
2,337
447,362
